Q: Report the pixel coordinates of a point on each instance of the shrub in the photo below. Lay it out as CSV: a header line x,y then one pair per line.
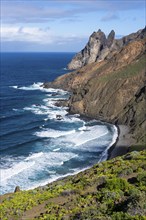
x,y
117,184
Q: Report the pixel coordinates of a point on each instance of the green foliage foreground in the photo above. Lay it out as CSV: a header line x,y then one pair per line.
x,y
114,189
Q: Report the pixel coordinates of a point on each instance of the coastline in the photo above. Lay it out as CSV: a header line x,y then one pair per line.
x,y
123,142
121,146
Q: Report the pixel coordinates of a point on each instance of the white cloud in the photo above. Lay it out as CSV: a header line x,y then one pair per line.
x,y
26,34
37,35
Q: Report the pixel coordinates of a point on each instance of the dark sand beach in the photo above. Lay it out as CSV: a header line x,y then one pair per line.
x,y
121,146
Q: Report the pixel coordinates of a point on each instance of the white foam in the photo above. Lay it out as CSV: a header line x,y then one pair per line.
x,y
24,172
57,149
52,114
114,138
52,101
84,136
50,110
59,91
33,156
53,133
84,128
71,119
15,110
14,87
52,90
39,86
34,86
38,110
14,170
42,126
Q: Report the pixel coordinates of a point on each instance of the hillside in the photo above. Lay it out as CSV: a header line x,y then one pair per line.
x,y
99,193
112,89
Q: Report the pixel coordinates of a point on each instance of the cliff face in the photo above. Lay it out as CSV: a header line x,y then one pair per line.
x,y
113,89
134,115
117,92
99,47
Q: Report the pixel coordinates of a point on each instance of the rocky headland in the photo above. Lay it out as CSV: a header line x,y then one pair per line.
x,y
110,87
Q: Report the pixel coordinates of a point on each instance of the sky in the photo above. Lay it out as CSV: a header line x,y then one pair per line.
x,y
65,25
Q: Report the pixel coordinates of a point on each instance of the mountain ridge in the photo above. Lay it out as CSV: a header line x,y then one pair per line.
x,y
100,47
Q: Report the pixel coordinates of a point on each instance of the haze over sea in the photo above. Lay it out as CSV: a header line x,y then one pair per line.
x,y
36,148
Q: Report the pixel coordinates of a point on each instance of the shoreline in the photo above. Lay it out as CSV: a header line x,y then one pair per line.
x,y
119,148
113,151
122,143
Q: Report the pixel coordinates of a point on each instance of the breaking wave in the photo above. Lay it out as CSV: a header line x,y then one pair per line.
x,y
58,147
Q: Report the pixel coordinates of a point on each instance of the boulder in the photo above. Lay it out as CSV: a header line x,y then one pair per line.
x,y
17,189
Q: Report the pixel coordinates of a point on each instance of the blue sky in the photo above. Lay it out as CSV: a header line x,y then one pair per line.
x,y
65,25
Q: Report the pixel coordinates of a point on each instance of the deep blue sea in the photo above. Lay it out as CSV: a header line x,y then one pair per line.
x,y
35,147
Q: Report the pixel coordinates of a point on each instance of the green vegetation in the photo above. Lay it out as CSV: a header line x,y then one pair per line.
x,y
126,72
112,190
138,147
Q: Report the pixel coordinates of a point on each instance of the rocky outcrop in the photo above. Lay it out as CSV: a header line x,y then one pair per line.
x,y
99,48
17,189
110,39
96,49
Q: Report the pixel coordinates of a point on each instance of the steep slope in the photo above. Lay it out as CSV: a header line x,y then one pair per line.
x,y
101,192
117,94
100,48
134,115
108,89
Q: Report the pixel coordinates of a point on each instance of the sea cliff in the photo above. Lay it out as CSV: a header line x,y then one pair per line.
x,y
112,89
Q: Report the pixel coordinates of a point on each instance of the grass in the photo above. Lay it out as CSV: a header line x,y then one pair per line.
x,y
126,72
114,190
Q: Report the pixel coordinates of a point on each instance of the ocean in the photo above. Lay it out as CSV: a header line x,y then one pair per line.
x,y
35,147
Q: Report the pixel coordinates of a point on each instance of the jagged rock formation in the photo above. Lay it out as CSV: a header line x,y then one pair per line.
x,y
96,49
99,47
112,89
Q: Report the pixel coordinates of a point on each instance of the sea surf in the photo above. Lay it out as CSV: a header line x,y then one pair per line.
x,y
36,147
